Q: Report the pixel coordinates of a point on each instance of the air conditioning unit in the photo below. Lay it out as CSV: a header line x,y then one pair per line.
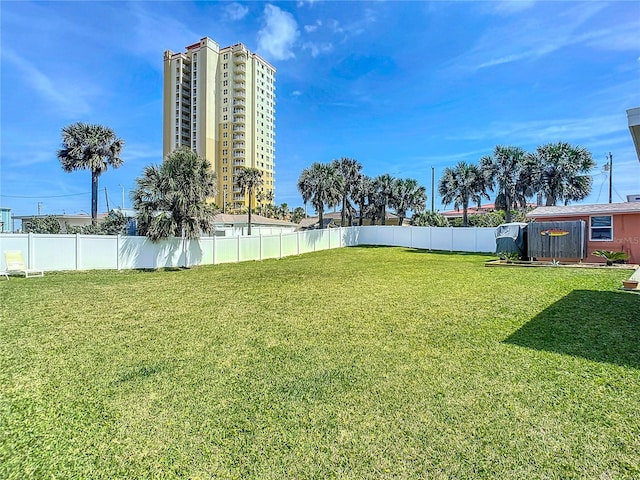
x,y
633,198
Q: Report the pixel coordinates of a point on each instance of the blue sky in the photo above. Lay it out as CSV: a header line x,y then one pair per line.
x,y
400,86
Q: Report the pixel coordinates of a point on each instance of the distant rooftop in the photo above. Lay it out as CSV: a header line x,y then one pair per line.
x,y
570,210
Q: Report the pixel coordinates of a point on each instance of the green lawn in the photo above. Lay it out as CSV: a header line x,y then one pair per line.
x,y
352,363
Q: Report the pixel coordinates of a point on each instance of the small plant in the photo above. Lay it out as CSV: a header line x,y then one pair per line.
x,y
509,256
611,257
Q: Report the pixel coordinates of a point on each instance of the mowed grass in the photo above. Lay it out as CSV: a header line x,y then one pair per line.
x,y
352,364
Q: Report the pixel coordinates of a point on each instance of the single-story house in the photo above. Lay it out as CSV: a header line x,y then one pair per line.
x,y
475,210
610,226
73,220
333,219
226,224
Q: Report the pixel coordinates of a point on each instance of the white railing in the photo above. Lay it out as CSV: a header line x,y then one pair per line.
x,y
89,252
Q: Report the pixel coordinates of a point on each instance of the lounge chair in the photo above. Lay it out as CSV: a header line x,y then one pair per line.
x,y
15,264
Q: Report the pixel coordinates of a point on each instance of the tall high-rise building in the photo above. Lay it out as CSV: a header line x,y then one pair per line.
x,y
220,102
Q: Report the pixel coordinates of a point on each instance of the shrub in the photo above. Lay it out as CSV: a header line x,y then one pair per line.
x,y
611,256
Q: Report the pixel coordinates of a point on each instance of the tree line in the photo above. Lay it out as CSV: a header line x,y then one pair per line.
x,y
556,172
175,197
342,183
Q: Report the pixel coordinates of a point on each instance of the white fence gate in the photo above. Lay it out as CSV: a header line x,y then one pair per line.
x,y
89,252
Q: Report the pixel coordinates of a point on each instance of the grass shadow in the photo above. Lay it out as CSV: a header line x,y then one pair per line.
x,y
596,325
141,372
445,252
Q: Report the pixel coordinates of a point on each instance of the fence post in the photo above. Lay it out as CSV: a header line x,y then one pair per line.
x,y
78,251
118,252
213,253
280,243
238,250
451,244
329,232
260,247
298,243
30,252
475,239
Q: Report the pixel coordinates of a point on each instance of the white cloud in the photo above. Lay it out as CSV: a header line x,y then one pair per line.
x,y
154,32
508,7
553,130
317,48
356,27
314,27
64,96
296,93
526,40
302,3
235,11
279,34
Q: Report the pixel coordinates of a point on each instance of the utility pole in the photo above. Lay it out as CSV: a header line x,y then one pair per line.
x,y
610,175
39,207
433,191
106,195
122,206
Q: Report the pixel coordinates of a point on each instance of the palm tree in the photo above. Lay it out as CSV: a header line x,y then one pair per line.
x,y
407,195
282,212
564,172
90,147
460,185
173,199
350,169
528,181
321,184
361,191
297,215
383,185
502,169
249,179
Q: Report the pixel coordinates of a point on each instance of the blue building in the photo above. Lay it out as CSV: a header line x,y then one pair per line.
x,y
5,220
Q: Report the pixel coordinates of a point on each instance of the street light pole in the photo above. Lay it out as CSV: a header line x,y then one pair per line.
x,y
433,189
122,196
610,175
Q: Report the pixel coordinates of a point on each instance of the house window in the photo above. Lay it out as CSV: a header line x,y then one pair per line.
x,y
601,228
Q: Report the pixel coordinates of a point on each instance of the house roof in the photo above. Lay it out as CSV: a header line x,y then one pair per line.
x,y
336,217
63,216
229,219
576,210
473,210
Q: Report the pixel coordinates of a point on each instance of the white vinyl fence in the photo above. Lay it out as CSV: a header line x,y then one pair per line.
x,y
89,252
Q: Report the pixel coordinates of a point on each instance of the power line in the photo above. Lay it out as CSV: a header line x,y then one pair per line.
x,y
46,196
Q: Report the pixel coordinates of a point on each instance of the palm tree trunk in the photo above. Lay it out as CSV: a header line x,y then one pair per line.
x,y
94,197
344,206
465,216
249,212
383,219
320,218
507,213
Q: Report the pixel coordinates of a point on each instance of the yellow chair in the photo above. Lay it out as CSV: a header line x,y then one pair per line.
x,y
15,264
